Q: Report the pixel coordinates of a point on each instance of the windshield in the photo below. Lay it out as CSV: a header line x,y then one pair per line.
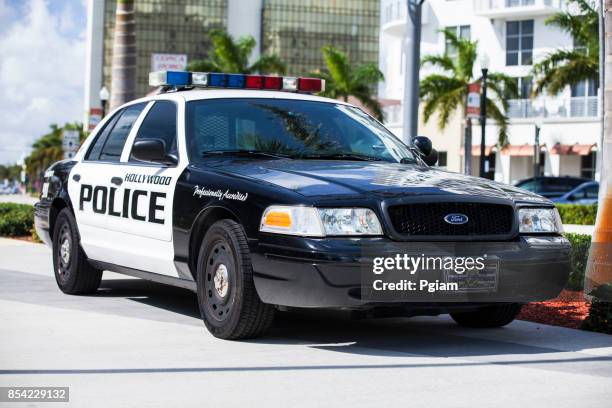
x,y
289,128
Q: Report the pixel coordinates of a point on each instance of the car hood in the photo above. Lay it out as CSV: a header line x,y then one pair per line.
x,y
318,178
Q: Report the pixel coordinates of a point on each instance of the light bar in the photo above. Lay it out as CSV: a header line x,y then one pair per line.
x,y
235,81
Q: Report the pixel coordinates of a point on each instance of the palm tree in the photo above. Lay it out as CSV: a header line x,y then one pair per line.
x,y
232,56
446,91
564,66
123,66
343,80
48,149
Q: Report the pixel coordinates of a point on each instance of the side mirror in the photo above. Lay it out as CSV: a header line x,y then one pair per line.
x,y
152,150
432,158
423,145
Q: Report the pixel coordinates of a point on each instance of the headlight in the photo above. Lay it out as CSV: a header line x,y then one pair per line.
x,y
539,220
319,222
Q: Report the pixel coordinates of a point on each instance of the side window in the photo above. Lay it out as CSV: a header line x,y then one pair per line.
x,y
96,147
160,123
116,139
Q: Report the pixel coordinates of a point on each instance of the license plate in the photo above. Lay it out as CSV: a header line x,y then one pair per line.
x,y
484,280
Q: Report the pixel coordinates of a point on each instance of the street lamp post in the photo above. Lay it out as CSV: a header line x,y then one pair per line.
x,y
484,66
536,148
104,96
412,60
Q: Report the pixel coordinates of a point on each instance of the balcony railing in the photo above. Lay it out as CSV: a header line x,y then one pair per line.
x,y
577,107
508,8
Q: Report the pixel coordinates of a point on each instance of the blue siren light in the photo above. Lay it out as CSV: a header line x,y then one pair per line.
x,y
235,80
218,80
164,78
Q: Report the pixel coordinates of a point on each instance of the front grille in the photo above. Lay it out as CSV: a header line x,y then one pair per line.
x,y
428,219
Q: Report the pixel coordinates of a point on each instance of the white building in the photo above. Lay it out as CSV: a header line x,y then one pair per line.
x,y
512,34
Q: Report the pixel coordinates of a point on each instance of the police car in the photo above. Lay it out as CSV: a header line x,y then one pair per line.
x,y
260,196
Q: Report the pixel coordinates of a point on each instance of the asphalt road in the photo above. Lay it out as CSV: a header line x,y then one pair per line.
x,y
137,343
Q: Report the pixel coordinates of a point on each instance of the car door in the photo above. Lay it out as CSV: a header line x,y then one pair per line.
x,y
93,185
149,190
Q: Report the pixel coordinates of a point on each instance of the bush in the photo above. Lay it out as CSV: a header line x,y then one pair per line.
x,y
600,312
16,220
577,213
580,255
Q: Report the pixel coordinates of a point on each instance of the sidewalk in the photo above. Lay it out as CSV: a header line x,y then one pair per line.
x,y
579,229
18,198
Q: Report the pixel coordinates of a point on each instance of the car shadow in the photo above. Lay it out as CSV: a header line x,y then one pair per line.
x,y
338,332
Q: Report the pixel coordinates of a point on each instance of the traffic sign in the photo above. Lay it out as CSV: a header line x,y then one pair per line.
x,y
70,141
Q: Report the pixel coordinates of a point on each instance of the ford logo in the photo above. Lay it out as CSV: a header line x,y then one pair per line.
x,y
456,219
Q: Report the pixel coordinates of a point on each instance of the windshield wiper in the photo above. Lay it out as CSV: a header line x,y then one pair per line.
x,y
341,156
244,153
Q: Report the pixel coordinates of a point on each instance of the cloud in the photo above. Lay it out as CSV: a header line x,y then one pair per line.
x,y
42,71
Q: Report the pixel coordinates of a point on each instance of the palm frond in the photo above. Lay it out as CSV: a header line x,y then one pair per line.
x,y
441,93
367,74
564,67
371,103
441,61
226,53
501,120
338,66
203,66
503,86
269,64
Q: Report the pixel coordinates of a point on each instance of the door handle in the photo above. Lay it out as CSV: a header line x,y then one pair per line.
x,y
76,177
117,180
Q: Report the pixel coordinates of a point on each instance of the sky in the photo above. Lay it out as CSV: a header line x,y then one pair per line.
x,y
42,70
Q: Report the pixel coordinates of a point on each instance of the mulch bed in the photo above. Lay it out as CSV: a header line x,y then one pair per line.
x,y
569,309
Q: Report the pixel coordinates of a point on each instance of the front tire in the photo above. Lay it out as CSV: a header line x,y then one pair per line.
x,y
73,273
490,316
229,304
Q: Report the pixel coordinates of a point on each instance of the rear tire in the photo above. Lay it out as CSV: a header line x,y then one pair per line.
x,y
229,304
73,273
490,316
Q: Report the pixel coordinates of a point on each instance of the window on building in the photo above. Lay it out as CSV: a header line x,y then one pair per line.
x,y
524,87
587,165
585,88
463,31
519,42
160,123
442,159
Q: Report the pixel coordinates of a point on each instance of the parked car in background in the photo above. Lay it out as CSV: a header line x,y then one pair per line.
x,y
551,187
586,193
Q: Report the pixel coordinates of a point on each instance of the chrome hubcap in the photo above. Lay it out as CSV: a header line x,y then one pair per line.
x,y
65,251
221,280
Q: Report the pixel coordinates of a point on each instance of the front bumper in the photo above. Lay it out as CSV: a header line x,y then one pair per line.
x,y
326,273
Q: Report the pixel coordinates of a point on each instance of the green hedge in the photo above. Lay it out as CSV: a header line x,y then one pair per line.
x,y
580,255
16,220
577,213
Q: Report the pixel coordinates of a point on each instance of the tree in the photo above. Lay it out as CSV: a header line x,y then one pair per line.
x,y
343,80
598,277
569,66
48,149
232,56
123,66
446,91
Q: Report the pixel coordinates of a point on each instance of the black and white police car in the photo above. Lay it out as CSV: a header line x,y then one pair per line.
x,y
260,196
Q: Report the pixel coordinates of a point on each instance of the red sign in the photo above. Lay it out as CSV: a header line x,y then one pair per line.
x,y
473,100
95,116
